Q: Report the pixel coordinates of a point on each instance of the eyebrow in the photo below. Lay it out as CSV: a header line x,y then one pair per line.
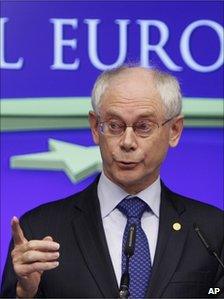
x,y
145,114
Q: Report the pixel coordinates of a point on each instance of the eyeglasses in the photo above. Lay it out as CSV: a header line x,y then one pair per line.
x,y
142,128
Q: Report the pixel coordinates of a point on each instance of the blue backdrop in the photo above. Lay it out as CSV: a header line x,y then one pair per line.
x,y
57,48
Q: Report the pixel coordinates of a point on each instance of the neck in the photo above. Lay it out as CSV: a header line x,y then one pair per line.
x,y
134,189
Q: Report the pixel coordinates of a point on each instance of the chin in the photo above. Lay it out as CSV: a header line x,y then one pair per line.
x,y
127,178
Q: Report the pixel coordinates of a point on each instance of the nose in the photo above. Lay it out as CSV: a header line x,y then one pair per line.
x,y
128,140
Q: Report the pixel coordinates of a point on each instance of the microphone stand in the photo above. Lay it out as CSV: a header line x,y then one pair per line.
x,y
125,280
205,242
129,251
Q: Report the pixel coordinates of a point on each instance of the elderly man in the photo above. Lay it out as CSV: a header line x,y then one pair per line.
x,y
127,234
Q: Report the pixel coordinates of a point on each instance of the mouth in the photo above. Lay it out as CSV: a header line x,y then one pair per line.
x,y
127,164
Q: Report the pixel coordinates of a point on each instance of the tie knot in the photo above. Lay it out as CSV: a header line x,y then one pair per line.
x,y
132,207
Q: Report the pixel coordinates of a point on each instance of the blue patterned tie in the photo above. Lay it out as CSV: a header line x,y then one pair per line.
x,y
140,263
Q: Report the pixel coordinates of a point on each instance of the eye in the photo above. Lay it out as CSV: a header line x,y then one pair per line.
x,y
115,126
144,126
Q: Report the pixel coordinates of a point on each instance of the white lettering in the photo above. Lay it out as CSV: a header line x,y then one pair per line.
x,y
214,291
146,47
3,64
217,290
92,43
185,46
60,43
210,291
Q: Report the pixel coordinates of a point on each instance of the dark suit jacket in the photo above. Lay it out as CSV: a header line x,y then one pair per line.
x,y
182,266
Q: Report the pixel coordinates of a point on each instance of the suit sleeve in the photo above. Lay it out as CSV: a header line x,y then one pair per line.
x,y
9,279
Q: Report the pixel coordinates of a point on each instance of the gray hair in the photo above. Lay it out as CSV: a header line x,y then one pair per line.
x,y
166,84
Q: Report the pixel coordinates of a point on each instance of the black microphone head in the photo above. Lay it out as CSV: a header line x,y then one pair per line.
x,y
195,226
130,243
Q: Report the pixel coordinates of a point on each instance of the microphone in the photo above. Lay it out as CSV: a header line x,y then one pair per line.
x,y
128,251
205,242
130,244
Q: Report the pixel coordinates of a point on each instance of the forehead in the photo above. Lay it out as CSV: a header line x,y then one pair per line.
x,y
131,94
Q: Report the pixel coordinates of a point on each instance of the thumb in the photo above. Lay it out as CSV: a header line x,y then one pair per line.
x,y
48,238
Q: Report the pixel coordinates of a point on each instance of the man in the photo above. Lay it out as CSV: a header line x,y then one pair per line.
x,y
136,118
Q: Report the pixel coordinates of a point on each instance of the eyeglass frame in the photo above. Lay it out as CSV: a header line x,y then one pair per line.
x,y
126,126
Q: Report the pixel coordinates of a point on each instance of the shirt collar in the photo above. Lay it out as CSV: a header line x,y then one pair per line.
x,y
110,195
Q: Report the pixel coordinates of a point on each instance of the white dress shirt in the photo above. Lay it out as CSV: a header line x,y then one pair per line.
x,y
114,222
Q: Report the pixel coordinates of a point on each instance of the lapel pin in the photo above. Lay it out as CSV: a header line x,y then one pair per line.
x,y
176,226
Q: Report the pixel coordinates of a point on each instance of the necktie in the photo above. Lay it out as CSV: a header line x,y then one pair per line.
x,y
140,263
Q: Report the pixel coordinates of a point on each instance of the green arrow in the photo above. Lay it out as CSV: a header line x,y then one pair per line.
x,y
75,160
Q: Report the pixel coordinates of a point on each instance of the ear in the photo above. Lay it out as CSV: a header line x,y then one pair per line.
x,y
176,130
94,126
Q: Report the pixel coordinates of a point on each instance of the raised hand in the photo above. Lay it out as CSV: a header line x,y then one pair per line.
x,y
30,259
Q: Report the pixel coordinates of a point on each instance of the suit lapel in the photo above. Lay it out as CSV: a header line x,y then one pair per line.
x,y
170,243
88,228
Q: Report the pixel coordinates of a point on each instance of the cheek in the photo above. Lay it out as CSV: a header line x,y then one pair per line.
x,y
156,152
107,146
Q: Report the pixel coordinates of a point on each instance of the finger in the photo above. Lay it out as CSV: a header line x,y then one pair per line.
x,y
48,238
37,256
24,270
17,232
41,245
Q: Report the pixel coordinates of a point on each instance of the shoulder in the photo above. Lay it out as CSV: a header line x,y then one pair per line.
x,y
195,212
56,218
62,208
190,204
209,218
